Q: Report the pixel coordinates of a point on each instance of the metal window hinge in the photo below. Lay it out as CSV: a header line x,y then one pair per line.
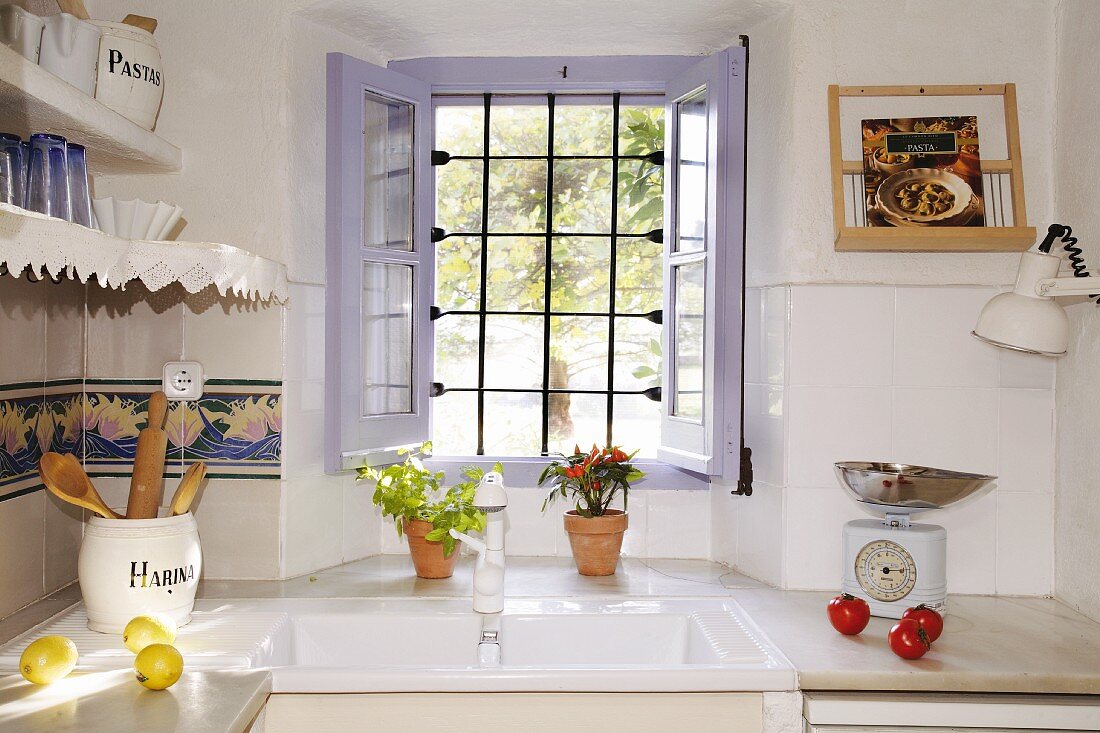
x,y
744,481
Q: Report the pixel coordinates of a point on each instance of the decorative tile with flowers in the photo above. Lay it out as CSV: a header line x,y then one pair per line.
x,y
36,418
236,427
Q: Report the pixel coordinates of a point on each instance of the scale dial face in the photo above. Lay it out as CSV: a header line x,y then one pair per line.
x,y
885,570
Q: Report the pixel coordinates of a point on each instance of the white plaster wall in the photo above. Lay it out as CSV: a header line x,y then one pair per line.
x,y
1076,158
225,107
871,42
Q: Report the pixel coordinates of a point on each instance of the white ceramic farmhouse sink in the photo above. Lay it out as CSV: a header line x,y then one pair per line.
x,y
584,645
368,645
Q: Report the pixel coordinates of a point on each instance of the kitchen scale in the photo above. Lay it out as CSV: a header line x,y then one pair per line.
x,y
892,563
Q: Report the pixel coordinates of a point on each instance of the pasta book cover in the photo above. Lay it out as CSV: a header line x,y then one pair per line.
x,y
923,172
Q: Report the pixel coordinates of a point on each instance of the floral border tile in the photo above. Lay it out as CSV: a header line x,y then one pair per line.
x,y
236,428
34,420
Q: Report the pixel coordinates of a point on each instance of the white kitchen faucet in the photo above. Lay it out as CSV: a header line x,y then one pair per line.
x,y
489,570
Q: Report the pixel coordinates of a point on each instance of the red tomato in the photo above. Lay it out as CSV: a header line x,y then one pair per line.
x,y
908,640
848,614
929,620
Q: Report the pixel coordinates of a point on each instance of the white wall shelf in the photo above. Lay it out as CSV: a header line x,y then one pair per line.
x,y
34,100
29,240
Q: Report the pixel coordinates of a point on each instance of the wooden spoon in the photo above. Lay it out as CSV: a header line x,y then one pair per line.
x,y
74,7
66,480
189,484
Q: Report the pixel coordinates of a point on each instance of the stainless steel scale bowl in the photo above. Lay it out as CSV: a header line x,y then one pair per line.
x,y
899,488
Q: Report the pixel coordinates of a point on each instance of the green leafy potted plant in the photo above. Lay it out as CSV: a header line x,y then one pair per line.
x,y
423,511
591,481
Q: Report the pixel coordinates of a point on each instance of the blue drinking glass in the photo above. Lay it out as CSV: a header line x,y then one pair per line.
x,y
13,170
80,199
48,177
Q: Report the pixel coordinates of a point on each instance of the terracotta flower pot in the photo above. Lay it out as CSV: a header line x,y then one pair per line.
x,y
596,541
428,556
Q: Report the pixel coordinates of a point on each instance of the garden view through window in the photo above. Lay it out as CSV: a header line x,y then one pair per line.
x,y
548,294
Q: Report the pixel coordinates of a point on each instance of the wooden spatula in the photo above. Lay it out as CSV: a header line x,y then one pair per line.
x,y
147,482
189,485
66,480
141,21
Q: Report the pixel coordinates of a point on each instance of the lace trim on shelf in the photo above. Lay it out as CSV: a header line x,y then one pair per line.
x,y
32,240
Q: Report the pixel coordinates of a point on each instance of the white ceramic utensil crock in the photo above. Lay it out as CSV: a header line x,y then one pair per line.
x,y
130,567
130,79
21,30
70,47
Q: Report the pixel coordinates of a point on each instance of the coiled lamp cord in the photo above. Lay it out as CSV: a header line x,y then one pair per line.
x,y
1073,252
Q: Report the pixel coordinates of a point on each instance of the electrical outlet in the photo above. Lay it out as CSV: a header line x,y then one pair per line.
x,y
182,380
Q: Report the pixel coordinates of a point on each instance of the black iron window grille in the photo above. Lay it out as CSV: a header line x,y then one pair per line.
x,y
482,312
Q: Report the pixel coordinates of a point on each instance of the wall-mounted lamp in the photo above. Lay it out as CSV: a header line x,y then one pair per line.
x,y
1028,319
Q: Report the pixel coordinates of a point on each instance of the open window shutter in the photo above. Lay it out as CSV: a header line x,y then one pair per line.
x,y
378,261
704,265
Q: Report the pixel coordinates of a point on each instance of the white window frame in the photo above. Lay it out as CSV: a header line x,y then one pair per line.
x,y
683,464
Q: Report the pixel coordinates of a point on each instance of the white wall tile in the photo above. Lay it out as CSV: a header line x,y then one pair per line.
x,y
725,510
65,330
1025,544
760,532
841,335
946,428
132,332
754,336
933,346
814,552
313,536
527,530
636,541
239,525
776,303
23,322
765,431
362,521
305,332
971,543
63,530
1027,371
678,525
21,523
303,428
1026,446
233,337
391,543
830,424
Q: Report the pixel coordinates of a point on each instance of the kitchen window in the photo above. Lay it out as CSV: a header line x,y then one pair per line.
x,y
548,294
524,254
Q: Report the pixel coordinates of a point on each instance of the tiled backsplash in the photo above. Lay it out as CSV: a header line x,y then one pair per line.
x,y
892,373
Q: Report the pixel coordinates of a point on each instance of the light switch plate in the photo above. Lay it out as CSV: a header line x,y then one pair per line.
x,y
182,380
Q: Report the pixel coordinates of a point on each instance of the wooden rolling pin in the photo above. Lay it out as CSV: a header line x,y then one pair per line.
x,y
147,481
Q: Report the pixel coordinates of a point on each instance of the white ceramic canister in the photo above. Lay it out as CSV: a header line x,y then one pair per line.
x,y
130,78
129,567
70,48
21,30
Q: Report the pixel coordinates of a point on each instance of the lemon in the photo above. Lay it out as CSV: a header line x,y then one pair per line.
x,y
158,666
145,630
48,659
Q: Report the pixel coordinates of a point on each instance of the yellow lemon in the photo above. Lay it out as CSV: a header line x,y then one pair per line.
x,y
48,659
158,666
145,630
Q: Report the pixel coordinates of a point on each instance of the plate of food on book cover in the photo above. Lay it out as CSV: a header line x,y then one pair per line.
x,y
923,171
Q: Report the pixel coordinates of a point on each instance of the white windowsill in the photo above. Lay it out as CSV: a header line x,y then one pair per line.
x,y
524,472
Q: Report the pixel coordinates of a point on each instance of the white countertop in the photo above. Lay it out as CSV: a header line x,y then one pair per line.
x,y
990,644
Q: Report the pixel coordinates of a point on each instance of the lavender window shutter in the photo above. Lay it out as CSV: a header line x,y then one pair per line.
x,y
378,261
704,265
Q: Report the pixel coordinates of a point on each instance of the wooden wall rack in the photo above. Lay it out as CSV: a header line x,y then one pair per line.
x,y
1015,238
